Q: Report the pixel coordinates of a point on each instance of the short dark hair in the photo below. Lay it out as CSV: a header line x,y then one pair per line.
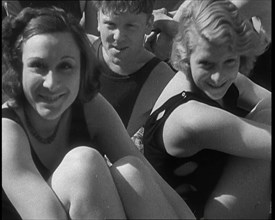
x,y
121,6
30,22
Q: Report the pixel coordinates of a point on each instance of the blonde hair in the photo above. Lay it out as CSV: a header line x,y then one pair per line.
x,y
219,22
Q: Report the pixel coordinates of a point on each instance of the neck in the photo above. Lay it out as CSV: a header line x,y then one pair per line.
x,y
129,66
42,126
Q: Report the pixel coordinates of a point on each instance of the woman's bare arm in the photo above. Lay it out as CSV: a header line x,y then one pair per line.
x,y
106,127
23,184
195,126
251,94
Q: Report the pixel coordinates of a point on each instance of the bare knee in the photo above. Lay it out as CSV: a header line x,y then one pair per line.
x,y
84,164
75,166
77,159
79,156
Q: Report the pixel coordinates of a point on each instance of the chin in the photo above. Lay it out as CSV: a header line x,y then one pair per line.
x,y
215,97
49,114
216,94
116,60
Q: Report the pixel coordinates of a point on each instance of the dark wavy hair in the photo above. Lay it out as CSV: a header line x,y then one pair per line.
x,y
122,6
30,22
219,22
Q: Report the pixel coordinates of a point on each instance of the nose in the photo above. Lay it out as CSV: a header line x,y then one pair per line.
x,y
51,80
119,35
218,77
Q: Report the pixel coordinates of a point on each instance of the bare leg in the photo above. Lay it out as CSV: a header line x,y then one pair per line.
x,y
140,194
243,192
84,185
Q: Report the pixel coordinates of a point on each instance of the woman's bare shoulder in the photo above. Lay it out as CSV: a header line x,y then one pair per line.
x,y
15,143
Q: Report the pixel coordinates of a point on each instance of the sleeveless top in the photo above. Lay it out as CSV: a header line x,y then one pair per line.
x,y
203,169
122,91
72,6
78,135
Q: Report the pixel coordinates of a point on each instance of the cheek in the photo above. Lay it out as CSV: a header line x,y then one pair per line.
x,y
237,67
193,65
104,33
235,72
74,83
29,82
137,35
197,73
232,72
106,38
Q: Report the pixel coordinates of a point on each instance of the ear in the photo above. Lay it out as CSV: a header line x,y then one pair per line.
x,y
149,25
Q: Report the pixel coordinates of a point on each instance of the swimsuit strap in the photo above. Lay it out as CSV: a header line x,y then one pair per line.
x,y
178,99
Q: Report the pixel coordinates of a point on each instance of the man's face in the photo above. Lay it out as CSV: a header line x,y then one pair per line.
x,y
122,35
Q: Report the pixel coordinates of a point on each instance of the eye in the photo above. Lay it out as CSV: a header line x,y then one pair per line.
x,y
38,65
65,66
132,26
109,25
206,64
231,62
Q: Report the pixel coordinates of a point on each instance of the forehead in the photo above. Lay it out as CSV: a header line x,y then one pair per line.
x,y
205,50
122,17
57,43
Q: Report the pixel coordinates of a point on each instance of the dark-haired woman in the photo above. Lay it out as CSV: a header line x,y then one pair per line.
x,y
56,128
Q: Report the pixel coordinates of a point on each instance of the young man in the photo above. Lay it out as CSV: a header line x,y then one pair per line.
x,y
132,77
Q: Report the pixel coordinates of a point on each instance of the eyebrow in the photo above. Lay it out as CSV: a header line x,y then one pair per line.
x,y
34,58
70,57
208,58
41,58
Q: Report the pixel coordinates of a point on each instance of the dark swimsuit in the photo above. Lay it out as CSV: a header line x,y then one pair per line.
x,y
79,136
195,187
122,91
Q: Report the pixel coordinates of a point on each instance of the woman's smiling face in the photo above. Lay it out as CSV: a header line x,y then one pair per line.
x,y
213,68
51,73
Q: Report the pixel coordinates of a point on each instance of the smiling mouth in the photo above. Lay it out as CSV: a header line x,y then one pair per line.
x,y
120,48
217,86
50,98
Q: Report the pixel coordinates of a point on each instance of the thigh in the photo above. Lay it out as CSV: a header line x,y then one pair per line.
x,y
142,197
244,190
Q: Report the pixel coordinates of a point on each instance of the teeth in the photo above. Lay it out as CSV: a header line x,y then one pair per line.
x,y
50,98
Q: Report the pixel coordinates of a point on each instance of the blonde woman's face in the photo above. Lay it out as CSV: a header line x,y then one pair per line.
x,y
213,68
